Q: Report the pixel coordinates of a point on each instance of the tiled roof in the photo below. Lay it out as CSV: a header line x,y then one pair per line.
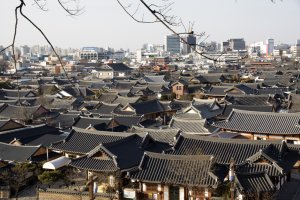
x,y
16,93
17,153
209,78
126,100
65,120
94,164
21,112
83,141
87,122
254,182
189,126
127,120
258,108
107,97
261,122
180,104
177,169
222,149
79,91
162,135
272,91
27,134
243,88
119,67
155,79
105,108
147,107
217,90
248,99
127,151
124,85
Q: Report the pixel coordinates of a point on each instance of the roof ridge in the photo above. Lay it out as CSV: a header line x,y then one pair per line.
x,y
109,133
178,157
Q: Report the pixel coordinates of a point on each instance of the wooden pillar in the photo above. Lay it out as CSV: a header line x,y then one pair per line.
x,y
91,188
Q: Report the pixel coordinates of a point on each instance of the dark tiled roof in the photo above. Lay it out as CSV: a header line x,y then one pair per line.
x,y
180,104
254,182
107,97
119,67
217,90
105,108
89,105
177,169
127,151
209,78
126,100
21,93
46,139
258,108
248,99
155,79
65,120
27,134
124,85
147,107
207,108
222,149
243,88
79,91
94,164
272,91
161,135
261,122
17,153
22,112
87,122
83,141
127,120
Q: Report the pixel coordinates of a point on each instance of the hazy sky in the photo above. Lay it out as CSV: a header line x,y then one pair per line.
x,y
104,23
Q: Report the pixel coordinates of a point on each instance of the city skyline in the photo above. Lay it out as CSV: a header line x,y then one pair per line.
x,y
105,24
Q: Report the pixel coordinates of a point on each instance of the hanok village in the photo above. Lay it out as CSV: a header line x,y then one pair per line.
x,y
159,132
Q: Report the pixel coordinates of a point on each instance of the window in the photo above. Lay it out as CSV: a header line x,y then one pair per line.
x,y
178,88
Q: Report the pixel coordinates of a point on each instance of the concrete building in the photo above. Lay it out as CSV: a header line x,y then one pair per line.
x,y
237,44
263,47
172,44
295,50
191,40
89,53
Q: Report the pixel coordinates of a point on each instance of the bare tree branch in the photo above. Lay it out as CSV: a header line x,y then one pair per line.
x,y
46,38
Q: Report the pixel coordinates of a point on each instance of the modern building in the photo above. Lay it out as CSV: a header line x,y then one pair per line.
x,y
187,48
237,44
295,50
94,53
172,44
263,47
